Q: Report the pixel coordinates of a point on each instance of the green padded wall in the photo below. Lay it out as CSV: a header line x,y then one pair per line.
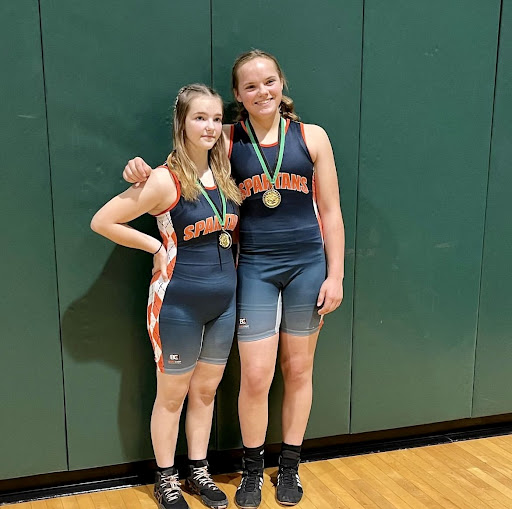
x,y
321,56
427,95
113,69
493,376
32,429
418,206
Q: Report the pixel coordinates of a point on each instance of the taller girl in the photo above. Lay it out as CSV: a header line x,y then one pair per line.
x,y
290,268
290,215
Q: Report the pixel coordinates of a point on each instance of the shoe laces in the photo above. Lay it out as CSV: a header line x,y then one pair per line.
x,y
171,488
203,477
288,477
249,480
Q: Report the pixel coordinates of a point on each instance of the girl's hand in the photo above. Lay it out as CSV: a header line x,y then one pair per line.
x,y
136,171
160,263
330,296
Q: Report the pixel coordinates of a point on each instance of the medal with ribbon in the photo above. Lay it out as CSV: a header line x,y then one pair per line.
x,y
225,240
271,197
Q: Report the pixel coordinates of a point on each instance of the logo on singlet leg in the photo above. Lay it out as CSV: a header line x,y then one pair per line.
x,y
174,358
242,323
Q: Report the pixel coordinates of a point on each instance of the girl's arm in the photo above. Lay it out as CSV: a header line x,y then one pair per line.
x,y
328,202
156,194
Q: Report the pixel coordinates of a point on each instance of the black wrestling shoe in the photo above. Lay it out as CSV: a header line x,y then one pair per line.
x,y
288,488
248,494
168,490
200,482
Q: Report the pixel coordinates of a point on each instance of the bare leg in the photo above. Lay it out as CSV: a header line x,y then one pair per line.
x,y
296,358
201,397
257,360
170,394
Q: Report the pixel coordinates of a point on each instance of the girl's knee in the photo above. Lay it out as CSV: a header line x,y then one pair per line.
x,y
297,371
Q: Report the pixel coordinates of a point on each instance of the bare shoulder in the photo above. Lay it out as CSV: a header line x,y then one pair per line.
x,y
159,184
160,177
160,190
315,132
316,139
226,131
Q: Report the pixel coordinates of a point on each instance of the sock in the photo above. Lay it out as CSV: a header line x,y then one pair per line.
x,y
165,470
290,455
253,457
198,463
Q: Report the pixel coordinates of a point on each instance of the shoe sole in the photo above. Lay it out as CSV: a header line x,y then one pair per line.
x,y
287,504
247,506
212,504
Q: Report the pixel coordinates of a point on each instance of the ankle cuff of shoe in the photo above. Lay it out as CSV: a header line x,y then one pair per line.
x,y
198,463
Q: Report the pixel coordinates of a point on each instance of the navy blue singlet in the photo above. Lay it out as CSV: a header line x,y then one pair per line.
x,y
281,264
191,317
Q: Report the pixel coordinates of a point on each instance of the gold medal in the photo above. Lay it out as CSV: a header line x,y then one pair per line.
x,y
271,198
225,240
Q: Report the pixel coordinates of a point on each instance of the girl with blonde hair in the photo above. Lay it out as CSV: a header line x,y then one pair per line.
x,y
191,306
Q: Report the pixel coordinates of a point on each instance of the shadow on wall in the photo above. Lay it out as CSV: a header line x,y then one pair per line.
x,y
110,363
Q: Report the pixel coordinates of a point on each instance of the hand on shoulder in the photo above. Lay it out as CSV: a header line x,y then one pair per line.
x,y
137,170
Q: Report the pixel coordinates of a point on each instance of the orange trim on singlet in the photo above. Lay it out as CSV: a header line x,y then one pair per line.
x,y
267,145
160,363
317,213
155,306
178,191
303,133
231,135
210,188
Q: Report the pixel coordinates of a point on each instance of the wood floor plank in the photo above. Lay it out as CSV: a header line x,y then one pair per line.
x,y
427,459
84,501
492,454
144,495
37,504
401,479
360,467
490,464
318,493
129,498
425,481
70,503
397,494
54,503
335,481
99,500
458,470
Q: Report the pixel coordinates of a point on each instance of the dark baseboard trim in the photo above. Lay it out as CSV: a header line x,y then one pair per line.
x,y
57,484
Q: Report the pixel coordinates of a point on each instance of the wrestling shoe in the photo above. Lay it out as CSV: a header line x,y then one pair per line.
x,y
168,490
248,494
200,482
288,488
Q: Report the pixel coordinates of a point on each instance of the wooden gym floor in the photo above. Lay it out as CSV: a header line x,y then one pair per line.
x,y
472,474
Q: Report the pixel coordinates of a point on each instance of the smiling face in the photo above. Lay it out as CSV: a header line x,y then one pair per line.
x,y
259,87
203,123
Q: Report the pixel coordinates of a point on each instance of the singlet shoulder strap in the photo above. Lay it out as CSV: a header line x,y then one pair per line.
x,y
178,189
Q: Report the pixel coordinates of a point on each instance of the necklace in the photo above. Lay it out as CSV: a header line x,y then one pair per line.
x,y
271,197
225,240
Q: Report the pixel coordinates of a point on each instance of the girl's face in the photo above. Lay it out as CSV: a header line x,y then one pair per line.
x,y
260,88
203,123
